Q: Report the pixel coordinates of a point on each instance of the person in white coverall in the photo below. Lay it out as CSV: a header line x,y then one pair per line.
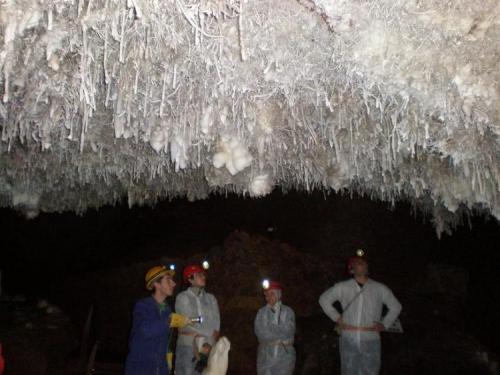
x,y
195,302
361,321
275,330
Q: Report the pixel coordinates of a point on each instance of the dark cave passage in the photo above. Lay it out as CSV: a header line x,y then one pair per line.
x,y
447,286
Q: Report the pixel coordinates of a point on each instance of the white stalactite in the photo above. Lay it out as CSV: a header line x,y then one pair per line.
x,y
386,97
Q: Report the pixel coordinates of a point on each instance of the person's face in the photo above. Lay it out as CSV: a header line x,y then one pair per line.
x,y
271,297
359,267
199,280
166,285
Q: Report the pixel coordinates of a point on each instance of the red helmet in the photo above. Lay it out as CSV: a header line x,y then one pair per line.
x,y
360,255
273,285
191,270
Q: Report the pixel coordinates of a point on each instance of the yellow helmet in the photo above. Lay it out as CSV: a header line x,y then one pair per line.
x,y
155,273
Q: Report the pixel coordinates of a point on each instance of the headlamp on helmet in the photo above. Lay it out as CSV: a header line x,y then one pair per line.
x,y
155,274
271,285
360,255
191,270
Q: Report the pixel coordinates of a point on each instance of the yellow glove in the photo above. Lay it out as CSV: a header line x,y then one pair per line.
x,y
178,320
170,357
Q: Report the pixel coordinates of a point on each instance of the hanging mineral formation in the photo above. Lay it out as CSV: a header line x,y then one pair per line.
x,y
106,99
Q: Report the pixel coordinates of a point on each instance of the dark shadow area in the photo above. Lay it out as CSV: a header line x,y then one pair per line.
x,y
92,267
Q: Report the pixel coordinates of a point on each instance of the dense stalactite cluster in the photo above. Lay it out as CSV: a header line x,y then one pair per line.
x,y
106,99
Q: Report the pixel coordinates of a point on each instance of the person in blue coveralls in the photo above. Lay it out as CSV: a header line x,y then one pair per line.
x,y
151,326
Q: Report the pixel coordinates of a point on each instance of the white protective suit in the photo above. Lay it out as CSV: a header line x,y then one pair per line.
x,y
195,302
275,330
360,350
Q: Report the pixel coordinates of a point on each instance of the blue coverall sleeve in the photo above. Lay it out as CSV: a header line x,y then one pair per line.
x,y
149,322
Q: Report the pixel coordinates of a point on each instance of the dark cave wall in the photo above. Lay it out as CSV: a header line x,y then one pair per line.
x,y
100,259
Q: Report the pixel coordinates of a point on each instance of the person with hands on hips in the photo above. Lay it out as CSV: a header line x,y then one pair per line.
x,y
360,321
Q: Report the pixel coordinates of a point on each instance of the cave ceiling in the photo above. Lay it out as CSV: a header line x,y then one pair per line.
x,y
105,100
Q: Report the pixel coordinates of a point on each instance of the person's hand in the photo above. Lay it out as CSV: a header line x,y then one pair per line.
x,y
205,348
339,325
179,321
216,335
378,327
170,357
